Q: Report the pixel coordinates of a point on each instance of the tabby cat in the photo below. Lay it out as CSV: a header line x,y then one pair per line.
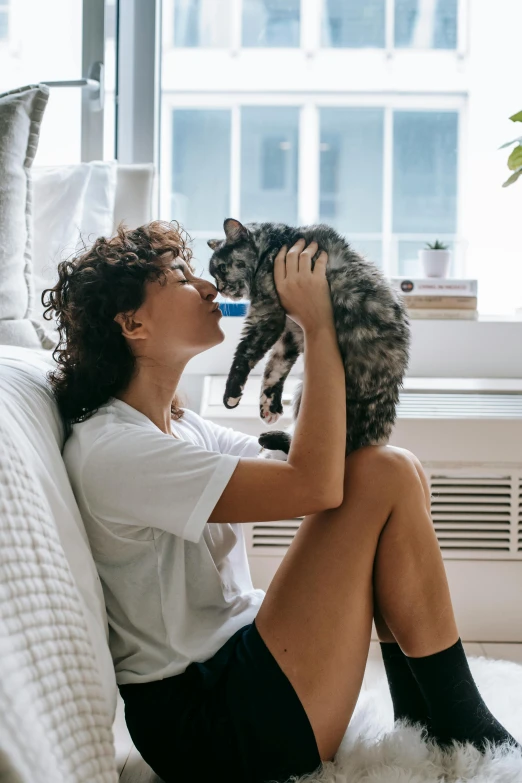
x,y
370,320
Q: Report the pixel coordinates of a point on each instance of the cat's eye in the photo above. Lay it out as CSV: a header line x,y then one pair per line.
x,y
222,268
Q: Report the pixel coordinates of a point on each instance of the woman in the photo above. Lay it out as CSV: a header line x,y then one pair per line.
x,y
221,681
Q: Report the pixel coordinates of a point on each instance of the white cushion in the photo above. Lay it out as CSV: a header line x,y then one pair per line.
x,y
73,205
26,399
21,112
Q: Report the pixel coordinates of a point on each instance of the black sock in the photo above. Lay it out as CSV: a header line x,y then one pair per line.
x,y
455,705
408,701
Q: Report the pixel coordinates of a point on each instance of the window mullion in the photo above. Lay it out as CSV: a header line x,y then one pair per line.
x,y
389,249
311,18
139,59
235,163
389,33
308,165
93,51
236,11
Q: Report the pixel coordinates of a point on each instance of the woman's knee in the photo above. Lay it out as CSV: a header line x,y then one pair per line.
x,y
380,466
420,471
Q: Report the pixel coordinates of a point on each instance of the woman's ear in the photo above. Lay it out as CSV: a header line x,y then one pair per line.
x,y
213,243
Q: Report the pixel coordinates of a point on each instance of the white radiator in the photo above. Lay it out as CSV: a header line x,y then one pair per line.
x,y
467,432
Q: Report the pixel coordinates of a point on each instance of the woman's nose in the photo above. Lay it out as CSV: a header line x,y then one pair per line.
x,y
209,290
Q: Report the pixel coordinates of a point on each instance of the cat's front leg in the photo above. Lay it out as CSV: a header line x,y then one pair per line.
x,y
258,336
282,358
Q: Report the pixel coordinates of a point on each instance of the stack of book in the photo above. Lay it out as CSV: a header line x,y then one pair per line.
x,y
433,297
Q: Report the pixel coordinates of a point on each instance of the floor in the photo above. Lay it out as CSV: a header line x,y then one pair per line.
x,y
134,770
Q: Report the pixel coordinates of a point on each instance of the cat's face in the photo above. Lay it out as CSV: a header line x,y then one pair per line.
x,y
234,260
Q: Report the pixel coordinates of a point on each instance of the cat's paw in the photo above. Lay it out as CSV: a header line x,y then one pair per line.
x,y
232,395
276,441
270,408
275,454
231,402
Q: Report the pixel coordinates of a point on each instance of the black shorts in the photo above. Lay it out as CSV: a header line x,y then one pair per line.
x,y
235,718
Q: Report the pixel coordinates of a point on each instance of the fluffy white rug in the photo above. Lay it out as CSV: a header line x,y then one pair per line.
x,y
373,751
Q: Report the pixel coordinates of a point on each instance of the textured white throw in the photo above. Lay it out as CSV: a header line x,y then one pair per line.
x,y
54,726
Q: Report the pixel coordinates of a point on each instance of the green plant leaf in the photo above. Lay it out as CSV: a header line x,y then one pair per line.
x,y
437,245
509,143
513,178
516,117
515,159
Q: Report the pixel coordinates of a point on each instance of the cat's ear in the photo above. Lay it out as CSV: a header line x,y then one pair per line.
x,y
213,243
234,230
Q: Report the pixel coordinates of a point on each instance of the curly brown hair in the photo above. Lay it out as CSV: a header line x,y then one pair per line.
x,y
93,357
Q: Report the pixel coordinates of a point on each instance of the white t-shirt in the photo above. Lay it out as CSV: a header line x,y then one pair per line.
x,y
176,587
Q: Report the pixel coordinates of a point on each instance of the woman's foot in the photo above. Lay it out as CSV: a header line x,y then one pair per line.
x,y
453,701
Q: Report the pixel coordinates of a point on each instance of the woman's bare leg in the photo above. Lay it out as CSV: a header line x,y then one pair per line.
x,y
317,613
383,632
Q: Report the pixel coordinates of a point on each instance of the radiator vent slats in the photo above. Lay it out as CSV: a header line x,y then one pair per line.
x,y
519,526
454,405
474,515
481,506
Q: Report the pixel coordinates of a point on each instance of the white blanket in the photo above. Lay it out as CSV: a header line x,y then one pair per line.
x,y
54,724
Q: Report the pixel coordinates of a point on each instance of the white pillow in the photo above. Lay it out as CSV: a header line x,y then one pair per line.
x,y
21,112
70,204
27,401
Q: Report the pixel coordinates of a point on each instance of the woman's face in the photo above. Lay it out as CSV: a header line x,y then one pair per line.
x,y
180,314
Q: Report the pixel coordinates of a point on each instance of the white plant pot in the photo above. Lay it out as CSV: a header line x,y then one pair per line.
x,y
435,263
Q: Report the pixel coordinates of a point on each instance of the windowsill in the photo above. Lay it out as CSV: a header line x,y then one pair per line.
x,y
488,347
482,318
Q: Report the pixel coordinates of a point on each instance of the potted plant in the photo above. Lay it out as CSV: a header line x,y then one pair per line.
x,y
514,161
435,259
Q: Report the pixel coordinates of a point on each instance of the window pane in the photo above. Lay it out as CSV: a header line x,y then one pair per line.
x,y
28,57
269,139
353,23
426,25
109,108
201,168
351,169
424,171
202,23
4,24
371,249
271,22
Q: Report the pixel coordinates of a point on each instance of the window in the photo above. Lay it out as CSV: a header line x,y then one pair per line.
x,y
269,149
424,181
271,22
202,23
422,25
372,116
354,23
30,57
351,175
201,168
417,24
4,20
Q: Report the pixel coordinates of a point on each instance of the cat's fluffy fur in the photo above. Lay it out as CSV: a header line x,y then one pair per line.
x,y
370,320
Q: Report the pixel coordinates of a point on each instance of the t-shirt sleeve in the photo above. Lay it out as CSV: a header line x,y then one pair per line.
x,y
140,477
234,442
